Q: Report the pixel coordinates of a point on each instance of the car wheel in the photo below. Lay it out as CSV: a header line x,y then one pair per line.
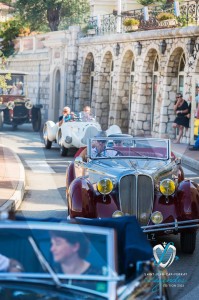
x,y
188,241
36,122
63,150
14,126
47,143
1,120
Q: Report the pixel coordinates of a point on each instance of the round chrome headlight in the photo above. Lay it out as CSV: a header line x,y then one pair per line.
x,y
167,187
105,186
117,213
28,104
10,105
157,217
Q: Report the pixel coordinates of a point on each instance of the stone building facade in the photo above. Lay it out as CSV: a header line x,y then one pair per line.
x,y
129,79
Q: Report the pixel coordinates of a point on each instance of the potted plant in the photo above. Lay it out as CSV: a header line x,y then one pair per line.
x,y
166,18
131,24
145,2
89,29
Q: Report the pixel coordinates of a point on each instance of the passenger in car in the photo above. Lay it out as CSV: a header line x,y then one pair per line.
x,y
82,152
66,116
17,89
86,115
10,265
99,148
117,143
69,250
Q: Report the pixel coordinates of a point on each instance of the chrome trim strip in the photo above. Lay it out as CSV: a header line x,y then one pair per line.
x,y
172,223
170,228
152,196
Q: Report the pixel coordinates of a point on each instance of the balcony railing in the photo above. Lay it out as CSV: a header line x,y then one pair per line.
x,y
113,23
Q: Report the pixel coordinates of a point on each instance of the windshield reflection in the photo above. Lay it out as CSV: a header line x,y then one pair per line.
x,y
128,147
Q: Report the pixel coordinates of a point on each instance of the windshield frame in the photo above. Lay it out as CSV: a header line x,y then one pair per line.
x,y
111,277
134,142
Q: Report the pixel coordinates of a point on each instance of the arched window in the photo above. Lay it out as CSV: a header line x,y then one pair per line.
x,y
181,67
131,86
92,68
155,76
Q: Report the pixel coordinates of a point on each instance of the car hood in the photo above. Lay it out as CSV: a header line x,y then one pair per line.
x,y
118,166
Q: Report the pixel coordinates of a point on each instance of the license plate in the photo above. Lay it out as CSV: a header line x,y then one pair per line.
x,y
151,236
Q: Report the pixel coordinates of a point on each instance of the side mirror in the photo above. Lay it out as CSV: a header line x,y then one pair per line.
x,y
79,161
178,161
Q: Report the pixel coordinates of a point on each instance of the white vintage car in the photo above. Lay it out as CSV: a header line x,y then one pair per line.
x,y
73,134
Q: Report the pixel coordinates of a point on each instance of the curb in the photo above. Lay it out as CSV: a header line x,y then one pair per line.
x,y
14,202
187,160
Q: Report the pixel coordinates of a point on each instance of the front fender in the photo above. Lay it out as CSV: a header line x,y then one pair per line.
x,y
63,133
70,175
188,193
81,199
181,206
52,129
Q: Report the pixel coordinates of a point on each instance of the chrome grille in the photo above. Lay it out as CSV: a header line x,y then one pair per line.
x,y
20,111
136,195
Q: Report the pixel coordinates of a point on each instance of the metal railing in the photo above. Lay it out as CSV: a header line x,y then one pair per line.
x,y
108,24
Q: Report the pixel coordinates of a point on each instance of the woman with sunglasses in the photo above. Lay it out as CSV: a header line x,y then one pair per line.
x,y
181,108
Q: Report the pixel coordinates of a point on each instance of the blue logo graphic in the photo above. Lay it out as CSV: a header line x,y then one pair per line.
x,y
164,256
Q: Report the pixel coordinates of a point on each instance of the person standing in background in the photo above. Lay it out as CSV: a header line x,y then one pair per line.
x,y
181,108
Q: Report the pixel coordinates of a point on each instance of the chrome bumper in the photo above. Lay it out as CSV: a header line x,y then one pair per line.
x,y
173,227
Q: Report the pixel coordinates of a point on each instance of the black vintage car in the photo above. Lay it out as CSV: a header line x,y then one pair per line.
x,y
34,257
15,108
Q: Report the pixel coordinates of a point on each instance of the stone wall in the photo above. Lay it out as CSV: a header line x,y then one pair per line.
x,y
146,118
51,63
136,91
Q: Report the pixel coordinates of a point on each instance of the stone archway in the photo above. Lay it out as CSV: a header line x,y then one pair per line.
x,y
57,95
170,88
146,106
103,97
86,83
126,91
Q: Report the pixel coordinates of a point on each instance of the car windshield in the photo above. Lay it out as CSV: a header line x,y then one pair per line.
x,y
122,147
70,254
86,117
15,85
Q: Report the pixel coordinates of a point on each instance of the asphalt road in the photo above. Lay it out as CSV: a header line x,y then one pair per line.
x,y
45,197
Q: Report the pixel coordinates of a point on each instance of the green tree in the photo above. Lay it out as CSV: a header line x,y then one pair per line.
x,y
39,13
9,30
3,77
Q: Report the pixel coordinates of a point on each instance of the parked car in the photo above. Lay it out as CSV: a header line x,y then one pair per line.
x,y
15,108
120,264
139,177
72,134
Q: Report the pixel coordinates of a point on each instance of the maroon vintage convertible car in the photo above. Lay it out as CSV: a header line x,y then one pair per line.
x,y
135,176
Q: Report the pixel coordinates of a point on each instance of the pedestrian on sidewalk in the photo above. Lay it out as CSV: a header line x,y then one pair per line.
x,y
196,145
181,108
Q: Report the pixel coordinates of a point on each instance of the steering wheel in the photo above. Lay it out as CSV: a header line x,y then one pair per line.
x,y
118,153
